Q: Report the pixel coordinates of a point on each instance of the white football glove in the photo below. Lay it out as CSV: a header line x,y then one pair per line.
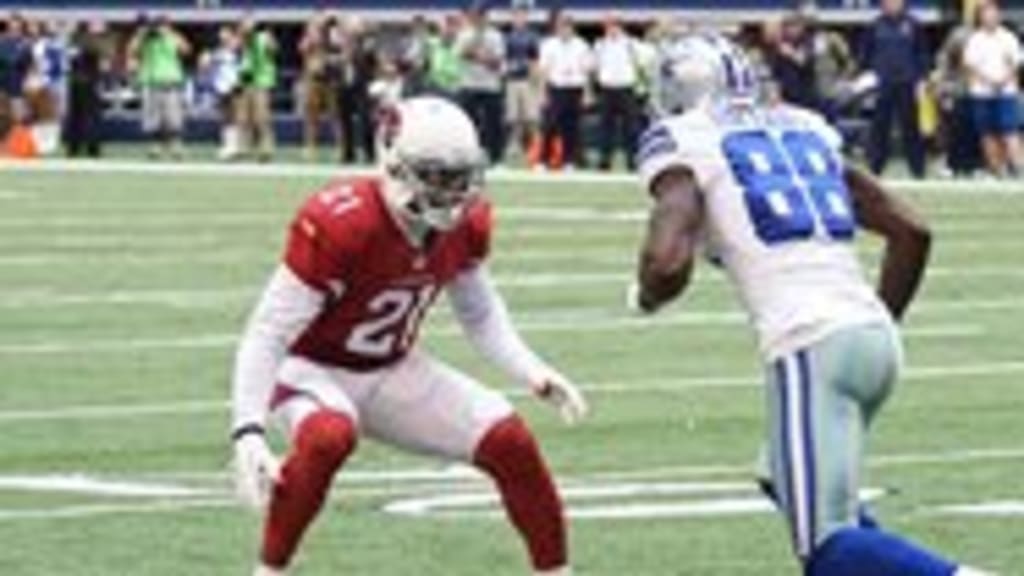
x,y
256,470
556,390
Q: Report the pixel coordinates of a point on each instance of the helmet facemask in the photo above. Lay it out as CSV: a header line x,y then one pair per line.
x,y
437,191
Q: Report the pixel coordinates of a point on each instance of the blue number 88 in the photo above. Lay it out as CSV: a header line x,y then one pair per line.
x,y
790,184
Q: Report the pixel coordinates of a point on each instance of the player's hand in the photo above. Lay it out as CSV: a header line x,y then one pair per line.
x,y
256,470
634,302
556,390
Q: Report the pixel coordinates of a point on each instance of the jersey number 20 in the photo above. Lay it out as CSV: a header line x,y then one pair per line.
x,y
792,184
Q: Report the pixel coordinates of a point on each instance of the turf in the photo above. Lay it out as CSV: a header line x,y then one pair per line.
x,y
123,291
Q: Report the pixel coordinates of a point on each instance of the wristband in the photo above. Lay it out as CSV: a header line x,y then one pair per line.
x,y
245,430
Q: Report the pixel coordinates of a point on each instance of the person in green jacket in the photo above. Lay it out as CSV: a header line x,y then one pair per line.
x,y
444,62
157,51
258,76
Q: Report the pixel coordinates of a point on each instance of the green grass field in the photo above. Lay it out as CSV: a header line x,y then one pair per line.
x,y
121,293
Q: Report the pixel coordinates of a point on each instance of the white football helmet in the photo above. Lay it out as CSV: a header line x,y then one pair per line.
x,y
432,159
702,68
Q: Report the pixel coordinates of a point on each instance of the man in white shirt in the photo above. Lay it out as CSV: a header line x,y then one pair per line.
x,y
565,63
617,62
992,58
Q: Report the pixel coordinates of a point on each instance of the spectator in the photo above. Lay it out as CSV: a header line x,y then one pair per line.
x,y
322,52
157,50
617,67
444,65
15,60
482,49
225,67
90,58
258,75
415,51
522,97
832,63
992,58
387,89
45,85
565,64
963,153
894,51
354,105
788,56
646,51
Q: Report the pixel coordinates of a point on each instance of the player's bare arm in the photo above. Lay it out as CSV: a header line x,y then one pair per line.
x,y
907,237
673,234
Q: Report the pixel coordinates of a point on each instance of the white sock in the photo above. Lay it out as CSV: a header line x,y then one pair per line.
x,y
563,571
968,571
262,570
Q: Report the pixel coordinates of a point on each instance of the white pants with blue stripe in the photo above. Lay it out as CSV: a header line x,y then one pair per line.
x,y
821,402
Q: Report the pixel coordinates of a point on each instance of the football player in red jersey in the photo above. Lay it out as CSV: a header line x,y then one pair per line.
x,y
330,350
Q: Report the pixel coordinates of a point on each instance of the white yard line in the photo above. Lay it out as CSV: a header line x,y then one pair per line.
x,y
93,510
67,251
588,494
49,297
149,221
621,386
139,167
82,484
987,509
877,461
198,298
224,341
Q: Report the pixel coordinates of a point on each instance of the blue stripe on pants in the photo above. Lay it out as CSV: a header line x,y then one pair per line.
x,y
781,379
797,443
809,454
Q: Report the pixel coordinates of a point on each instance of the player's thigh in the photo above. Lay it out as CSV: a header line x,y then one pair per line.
x,y
815,446
305,387
430,408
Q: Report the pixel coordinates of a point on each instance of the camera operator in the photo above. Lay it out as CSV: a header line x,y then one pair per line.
x,y
157,51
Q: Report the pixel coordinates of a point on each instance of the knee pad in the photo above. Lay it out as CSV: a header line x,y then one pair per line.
x,y
508,446
327,436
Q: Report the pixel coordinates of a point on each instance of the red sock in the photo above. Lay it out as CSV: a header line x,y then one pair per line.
x,y
322,443
509,454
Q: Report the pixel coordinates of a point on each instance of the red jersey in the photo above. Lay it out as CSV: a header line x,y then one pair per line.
x,y
346,243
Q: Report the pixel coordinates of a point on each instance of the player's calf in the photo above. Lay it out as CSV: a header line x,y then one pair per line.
x,y
322,443
510,455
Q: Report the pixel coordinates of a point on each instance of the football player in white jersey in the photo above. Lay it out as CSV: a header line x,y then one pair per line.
x,y
765,193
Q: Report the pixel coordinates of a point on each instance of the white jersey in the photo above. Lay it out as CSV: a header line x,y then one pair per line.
x,y
778,216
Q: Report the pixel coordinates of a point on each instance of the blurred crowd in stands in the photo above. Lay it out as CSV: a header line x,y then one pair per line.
x,y
534,85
